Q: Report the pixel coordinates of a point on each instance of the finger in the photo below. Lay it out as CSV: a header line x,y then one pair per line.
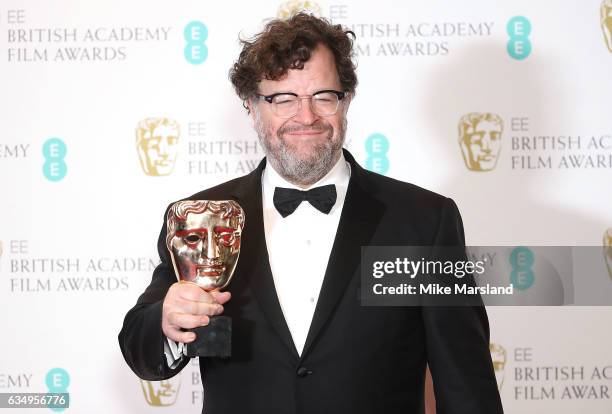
x,y
221,297
187,321
199,308
180,336
191,291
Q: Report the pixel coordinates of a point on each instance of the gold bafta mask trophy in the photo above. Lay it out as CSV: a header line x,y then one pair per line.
x,y
161,393
290,8
480,140
204,243
156,143
606,22
499,357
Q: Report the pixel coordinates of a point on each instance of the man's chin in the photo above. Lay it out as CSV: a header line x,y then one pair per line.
x,y
305,151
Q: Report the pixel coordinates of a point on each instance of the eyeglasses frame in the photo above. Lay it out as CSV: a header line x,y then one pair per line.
x,y
269,99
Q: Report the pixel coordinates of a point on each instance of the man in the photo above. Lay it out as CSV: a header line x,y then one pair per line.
x,y
302,342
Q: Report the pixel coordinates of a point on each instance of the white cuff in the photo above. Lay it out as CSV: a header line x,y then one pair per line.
x,y
174,352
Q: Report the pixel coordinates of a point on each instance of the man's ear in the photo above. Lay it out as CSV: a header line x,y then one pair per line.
x,y
250,107
348,98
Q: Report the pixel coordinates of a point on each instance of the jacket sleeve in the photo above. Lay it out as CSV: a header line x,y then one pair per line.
x,y
457,342
141,339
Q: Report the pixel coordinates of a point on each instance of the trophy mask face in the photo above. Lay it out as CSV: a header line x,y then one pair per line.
x,y
480,140
205,245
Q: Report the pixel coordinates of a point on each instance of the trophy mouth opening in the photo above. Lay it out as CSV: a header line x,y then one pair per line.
x,y
210,271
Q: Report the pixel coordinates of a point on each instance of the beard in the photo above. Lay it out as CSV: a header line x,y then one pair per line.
x,y
309,167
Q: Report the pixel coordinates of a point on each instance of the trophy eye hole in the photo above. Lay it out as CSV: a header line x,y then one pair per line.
x,y
192,238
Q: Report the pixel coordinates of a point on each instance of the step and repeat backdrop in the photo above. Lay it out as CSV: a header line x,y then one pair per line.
x,y
111,110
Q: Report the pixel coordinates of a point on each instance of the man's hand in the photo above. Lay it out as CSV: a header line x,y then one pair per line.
x,y
188,306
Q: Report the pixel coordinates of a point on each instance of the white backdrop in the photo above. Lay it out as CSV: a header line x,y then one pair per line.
x,y
81,215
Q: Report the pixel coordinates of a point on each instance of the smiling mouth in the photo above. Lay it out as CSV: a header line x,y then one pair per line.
x,y
305,132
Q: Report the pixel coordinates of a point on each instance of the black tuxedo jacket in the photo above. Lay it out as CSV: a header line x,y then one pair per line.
x,y
356,359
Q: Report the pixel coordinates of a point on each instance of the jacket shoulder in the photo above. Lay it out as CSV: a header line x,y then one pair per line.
x,y
395,192
430,218
221,191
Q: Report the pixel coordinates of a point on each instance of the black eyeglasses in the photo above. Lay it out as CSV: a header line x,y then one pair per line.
x,y
287,104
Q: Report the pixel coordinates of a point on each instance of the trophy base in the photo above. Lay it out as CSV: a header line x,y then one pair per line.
x,y
212,340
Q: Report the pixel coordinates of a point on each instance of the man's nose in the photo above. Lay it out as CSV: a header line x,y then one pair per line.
x,y
305,115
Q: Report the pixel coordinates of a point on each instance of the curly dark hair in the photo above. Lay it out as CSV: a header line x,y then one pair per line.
x,y
288,44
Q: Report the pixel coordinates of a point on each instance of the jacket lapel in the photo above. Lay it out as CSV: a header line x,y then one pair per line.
x,y
254,255
361,214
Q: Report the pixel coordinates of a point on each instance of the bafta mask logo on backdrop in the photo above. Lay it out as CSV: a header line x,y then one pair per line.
x,y
480,137
293,7
607,250
499,357
606,22
161,393
157,144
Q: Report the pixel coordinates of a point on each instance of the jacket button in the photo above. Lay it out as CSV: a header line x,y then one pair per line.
x,y
303,372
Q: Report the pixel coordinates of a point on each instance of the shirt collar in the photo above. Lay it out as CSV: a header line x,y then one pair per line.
x,y
338,175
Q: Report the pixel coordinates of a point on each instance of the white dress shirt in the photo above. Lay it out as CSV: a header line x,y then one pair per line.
x,y
299,246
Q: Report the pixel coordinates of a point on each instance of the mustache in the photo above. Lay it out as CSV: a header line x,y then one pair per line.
x,y
302,128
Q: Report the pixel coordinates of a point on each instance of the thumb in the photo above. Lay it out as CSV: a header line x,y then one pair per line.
x,y
221,297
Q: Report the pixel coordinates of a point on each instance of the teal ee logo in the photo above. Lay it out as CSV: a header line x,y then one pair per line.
x,y
377,146
521,260
195,34
54,150
57,381
519,45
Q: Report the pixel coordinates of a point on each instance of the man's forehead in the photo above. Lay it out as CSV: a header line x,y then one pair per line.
x,y
319,72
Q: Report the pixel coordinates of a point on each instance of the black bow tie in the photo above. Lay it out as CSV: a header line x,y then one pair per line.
x,y
286,200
